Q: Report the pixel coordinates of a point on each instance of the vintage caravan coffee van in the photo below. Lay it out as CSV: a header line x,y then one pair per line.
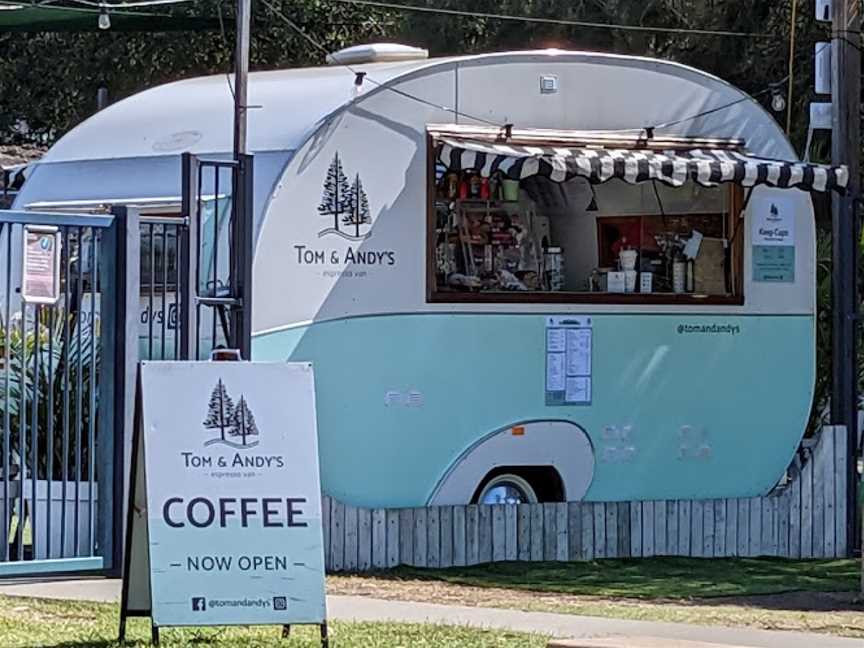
x,y
542,275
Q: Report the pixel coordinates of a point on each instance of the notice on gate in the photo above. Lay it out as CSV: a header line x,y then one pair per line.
x,y
40,276
225,522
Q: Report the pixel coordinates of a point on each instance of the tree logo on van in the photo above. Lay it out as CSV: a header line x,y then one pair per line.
x,y
346,203
230,420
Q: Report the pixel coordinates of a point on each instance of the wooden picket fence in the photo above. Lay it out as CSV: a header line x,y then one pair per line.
x,y
804,518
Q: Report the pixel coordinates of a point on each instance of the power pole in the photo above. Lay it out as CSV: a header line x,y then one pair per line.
x,y
241,75
240,263
845,149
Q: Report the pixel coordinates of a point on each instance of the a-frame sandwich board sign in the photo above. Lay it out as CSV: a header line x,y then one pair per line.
x,y
224,518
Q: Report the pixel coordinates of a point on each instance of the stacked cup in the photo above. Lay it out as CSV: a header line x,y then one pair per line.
x,y
627,259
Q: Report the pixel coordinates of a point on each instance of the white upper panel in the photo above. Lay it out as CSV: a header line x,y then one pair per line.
x,y
197,115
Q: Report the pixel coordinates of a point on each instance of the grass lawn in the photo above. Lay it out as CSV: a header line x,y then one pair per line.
x,y
806,596
31,623
652,578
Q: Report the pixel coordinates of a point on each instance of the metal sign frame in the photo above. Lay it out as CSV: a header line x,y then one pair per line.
x,y
137,596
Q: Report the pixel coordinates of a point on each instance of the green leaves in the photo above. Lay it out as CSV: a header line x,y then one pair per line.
x,y
50,80
37,371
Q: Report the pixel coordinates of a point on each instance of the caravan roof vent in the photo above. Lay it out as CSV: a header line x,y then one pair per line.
x,y
376,53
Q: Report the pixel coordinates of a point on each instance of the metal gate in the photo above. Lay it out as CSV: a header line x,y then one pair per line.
x,y
58,352
196,266
68,362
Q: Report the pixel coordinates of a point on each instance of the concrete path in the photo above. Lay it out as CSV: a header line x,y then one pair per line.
x,y
358,608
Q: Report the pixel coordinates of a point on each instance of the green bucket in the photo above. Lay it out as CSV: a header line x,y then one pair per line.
x,y
510,190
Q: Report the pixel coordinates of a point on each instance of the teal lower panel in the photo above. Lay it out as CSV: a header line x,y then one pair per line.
x,y
682,406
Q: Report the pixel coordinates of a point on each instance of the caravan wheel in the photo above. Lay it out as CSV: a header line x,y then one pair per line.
x,y
507,489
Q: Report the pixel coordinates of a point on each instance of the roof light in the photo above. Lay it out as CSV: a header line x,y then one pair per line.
x,y
376,53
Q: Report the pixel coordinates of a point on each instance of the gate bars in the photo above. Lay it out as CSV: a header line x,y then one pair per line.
x,y
160,282
216,256
59,465
68,368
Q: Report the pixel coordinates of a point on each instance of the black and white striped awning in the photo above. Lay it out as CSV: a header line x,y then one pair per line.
x,y
12,177
705,166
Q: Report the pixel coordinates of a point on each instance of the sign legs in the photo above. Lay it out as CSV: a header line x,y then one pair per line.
x,y
154,633
325,640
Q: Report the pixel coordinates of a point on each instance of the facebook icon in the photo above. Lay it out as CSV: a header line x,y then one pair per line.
x,y
199,604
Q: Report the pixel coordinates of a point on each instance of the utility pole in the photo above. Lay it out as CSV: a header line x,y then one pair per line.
x,y
845,149
240,263
241,75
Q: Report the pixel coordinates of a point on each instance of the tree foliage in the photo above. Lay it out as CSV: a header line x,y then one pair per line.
x,y
243,421
336,198
359,213
220,410
50,80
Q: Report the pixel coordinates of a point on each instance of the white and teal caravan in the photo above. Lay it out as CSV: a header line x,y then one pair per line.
x,y
425,399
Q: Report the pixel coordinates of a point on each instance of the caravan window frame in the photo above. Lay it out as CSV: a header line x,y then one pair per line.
x,y
735,226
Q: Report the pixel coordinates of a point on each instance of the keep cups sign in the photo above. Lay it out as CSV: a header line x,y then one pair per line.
x,y
40,278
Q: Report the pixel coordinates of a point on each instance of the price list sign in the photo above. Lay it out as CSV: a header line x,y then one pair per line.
x,y
568,360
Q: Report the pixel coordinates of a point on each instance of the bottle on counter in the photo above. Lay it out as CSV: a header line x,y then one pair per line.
x,y
554,262
495,186
679,275
451,184
463,188
474,186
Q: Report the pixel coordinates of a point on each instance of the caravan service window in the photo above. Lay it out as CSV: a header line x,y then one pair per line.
x,y
497,240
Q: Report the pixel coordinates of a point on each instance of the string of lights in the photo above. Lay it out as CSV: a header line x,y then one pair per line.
x,y
773,88
365,77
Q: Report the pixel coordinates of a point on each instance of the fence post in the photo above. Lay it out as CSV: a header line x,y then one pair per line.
x,y
188,246
241,255
119,289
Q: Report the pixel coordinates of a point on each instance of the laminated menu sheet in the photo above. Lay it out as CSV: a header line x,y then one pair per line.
x,y
568,360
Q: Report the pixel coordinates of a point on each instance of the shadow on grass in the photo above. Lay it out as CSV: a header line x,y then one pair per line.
x,y
88,644
215,639
825,585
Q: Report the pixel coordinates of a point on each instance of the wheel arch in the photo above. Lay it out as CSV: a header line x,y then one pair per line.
x,y
560,444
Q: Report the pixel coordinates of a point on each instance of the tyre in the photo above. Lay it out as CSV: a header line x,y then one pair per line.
x,y
507,489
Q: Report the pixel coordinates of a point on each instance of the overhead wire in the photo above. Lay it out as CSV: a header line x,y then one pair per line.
x,y
86,5
716,109
225,42
645,129
391,5
364,76
552,21
400,92
122,5
770,89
